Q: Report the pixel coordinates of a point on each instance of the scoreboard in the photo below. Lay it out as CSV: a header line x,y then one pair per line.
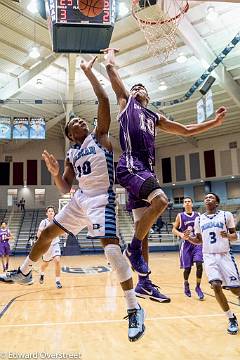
x,y
72,31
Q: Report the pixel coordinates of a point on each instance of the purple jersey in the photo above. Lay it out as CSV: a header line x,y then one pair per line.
x,y
137,133
189,253
187,221
4,234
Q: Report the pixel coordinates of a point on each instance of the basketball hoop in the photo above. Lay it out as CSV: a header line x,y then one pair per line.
x,y
159,20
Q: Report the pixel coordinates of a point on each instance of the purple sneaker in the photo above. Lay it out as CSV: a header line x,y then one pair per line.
x,y
187,291
137,261
147,290
199,292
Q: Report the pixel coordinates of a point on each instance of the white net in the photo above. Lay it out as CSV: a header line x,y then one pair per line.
x,y
159,22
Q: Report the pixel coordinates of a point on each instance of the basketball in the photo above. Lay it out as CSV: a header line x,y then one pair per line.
x,y
91,8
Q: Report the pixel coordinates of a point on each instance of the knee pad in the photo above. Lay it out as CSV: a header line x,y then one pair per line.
x,y
118,262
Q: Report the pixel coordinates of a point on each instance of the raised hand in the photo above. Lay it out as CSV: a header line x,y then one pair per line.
x,y
87,65
51,163
220,115
110,55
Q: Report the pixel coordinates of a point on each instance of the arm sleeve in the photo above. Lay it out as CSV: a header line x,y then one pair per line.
x,y
229,220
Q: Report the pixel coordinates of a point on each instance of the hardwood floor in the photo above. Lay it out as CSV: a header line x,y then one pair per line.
x,y
85,318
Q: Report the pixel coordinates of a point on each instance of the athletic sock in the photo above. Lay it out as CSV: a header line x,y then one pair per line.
x,y
42,273
57,278
131,299
229,314
26,267
136,244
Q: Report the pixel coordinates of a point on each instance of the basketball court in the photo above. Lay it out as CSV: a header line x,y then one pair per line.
x,y
187,55
86,316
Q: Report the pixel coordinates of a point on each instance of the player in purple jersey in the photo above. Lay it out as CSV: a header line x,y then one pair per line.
x,y
189,253
135,167
5,236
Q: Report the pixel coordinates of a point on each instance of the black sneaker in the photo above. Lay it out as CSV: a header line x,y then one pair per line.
x,y
58,285
41,279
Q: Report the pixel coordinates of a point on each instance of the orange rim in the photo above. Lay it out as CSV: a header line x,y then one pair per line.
x,y
155,22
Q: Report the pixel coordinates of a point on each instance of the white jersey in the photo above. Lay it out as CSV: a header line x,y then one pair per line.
x,y
43,224
93,166
210,227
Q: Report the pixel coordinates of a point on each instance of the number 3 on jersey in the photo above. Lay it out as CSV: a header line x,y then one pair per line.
x,y
85,169
212,237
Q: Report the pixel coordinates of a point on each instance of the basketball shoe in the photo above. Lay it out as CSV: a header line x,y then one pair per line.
x,y
18,277
233,326
147,290
137,261
58,285
187,291
41,279
136,327
199,292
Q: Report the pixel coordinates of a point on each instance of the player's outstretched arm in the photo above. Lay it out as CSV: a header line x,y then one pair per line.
x,y
63,183
103,118
116,82
192,129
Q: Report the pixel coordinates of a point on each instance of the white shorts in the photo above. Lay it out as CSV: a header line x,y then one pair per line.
x,y
52,252
222,267
97,213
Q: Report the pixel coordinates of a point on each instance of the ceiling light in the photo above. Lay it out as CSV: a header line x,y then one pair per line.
x,y
201,181
181,59
212,14
34,52
39,84
162,86
122,9
173,184
233,177
32,7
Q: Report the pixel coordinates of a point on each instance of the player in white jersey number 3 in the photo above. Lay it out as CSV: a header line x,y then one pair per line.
x,y
90,160
215,229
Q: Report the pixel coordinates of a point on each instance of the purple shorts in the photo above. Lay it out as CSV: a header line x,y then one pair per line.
x,y
190,254
132,180
4,248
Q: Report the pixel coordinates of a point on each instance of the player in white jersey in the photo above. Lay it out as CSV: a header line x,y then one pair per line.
x,y
90,160
215,229
54,251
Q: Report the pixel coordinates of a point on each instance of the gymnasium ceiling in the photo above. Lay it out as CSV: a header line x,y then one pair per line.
x,y
199,39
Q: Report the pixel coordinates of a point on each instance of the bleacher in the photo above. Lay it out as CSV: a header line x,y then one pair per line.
x,y
24,226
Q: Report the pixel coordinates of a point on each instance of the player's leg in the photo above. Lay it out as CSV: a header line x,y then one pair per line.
x,y
24,273
43,267
150,191
186,262
198,260
216,267
3,264
57,263
145,288
222,300
119,264
7,262
199,272
101,211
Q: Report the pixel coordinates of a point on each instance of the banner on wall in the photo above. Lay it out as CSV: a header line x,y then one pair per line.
x,y
20,128
37,128
5,127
